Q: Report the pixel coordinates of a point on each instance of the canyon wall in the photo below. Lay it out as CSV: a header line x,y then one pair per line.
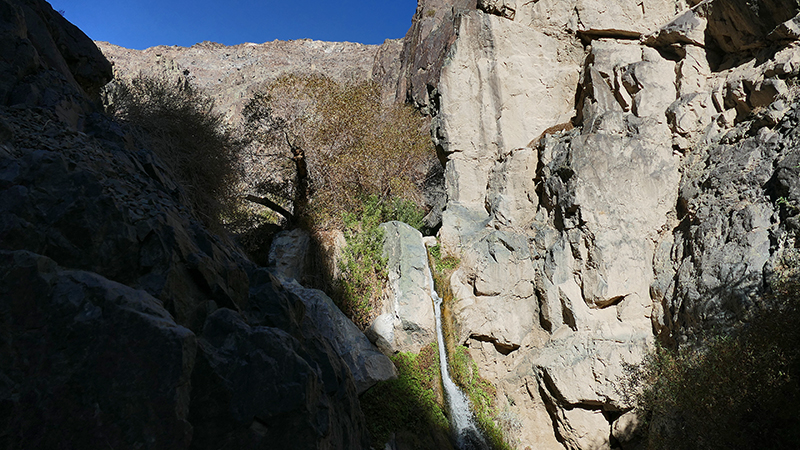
x,y
126,323
232,74
616,173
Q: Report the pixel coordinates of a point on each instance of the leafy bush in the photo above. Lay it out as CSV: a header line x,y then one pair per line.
x,y
177,122
411,405
363,267
340,140
739,390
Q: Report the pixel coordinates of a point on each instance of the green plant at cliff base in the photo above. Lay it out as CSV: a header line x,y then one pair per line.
x,y
463,369
739,390
410,405
481,394
363,267
444,265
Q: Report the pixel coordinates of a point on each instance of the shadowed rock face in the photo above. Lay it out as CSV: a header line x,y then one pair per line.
x,y
125,323
47,61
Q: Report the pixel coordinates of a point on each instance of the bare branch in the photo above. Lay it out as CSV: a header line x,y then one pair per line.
x,y
271,205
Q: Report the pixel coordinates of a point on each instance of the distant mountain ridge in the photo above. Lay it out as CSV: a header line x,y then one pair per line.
x,y
231,74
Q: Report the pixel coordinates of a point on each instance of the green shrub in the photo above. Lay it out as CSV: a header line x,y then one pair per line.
x,y
443,264
738,390
411,405
362,266
177,122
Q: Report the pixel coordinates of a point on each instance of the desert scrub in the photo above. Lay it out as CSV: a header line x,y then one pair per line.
x,y
737,390
325,146
363,267
411,405
177,122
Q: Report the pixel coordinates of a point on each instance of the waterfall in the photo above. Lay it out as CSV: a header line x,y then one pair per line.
x,y
462,421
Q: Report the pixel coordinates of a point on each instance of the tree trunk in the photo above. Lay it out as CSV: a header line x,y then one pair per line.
x,y
301,177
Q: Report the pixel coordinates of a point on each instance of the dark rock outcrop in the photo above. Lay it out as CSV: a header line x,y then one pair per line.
x,y
739,25
738,205
425,48
125,323
47,61
85,360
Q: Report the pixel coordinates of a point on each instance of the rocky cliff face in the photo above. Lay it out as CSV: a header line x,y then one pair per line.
x,y
616,173
232,74
613,171
125,323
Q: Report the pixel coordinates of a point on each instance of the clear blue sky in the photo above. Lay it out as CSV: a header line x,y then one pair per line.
x,y
141,24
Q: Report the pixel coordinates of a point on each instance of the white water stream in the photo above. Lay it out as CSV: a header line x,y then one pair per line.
x,y
462,421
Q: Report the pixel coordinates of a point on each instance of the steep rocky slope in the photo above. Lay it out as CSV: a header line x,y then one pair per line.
x,y
660,215
617,173
125,323
231,74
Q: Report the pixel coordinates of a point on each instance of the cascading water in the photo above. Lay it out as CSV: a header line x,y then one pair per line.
x,y
462,421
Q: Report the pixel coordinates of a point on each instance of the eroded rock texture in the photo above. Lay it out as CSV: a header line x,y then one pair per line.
x,y
617,172
125,323
232,74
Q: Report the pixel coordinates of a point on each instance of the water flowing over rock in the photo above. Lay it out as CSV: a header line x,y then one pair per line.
x,y
656,217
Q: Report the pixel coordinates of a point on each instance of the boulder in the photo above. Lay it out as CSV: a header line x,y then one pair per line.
x,y
687,28
406,321
288,253
84,359
260,387
323,318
